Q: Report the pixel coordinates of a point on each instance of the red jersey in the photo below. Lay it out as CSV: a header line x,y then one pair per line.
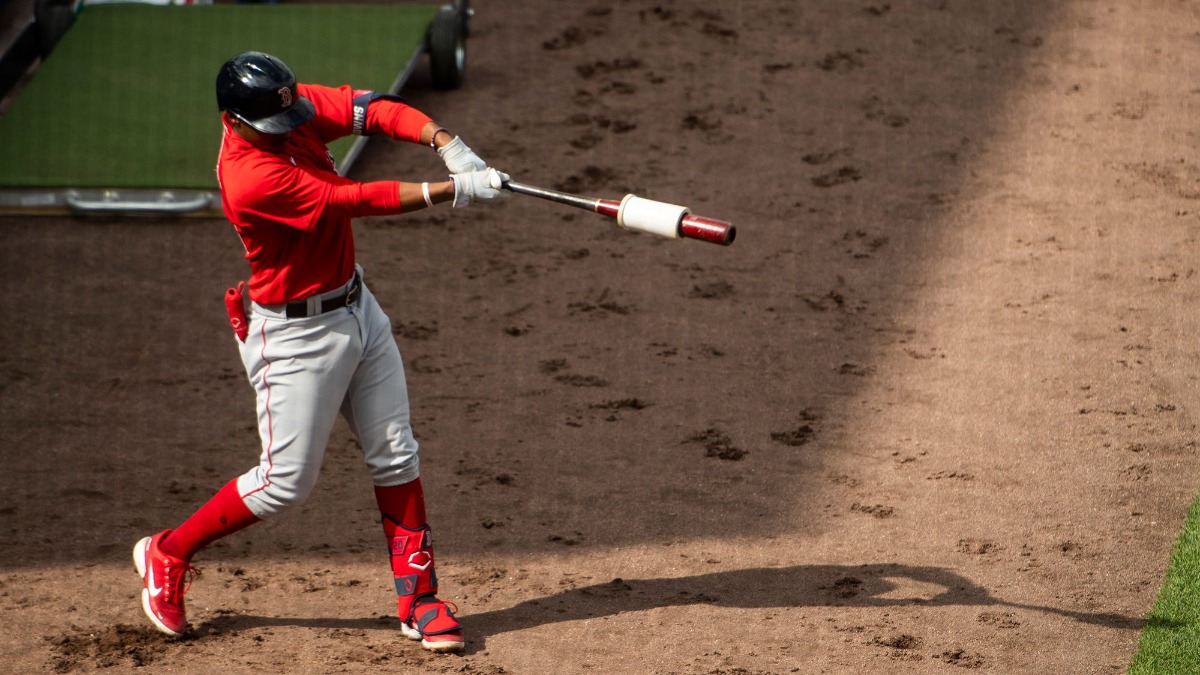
x,y
291,208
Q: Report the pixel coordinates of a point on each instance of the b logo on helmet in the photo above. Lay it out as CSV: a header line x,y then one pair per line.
x,y
285,96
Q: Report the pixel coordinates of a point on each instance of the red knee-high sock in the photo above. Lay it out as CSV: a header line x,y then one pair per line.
x,y
403,504
223,515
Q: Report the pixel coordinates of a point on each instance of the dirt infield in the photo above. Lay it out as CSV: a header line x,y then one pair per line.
x,y
931,411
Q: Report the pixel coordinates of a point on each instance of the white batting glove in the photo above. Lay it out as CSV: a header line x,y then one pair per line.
x,y
459,158
480,186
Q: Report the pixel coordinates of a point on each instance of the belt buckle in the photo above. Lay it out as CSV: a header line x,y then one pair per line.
x,y
352,294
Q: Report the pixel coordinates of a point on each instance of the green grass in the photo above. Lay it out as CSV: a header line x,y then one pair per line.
x,y
127,98
1170,641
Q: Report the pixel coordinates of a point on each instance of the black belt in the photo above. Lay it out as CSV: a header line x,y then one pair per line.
x,y
299,309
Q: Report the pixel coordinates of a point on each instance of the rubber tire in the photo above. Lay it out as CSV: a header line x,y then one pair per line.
x,y
464,16
447,49
52,18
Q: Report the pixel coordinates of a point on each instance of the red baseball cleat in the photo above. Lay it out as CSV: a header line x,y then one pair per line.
x,y
432,622
165,580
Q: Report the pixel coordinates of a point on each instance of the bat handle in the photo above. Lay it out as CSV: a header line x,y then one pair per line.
x,y
707,229
579,202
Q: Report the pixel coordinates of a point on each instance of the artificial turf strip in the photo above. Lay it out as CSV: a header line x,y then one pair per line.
x,y
127,98
1170,642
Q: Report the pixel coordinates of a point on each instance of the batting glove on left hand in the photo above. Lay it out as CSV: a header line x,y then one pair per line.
x,y
482,186
459,158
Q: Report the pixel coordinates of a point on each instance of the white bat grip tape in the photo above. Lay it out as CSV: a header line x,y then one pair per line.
x,y
650,216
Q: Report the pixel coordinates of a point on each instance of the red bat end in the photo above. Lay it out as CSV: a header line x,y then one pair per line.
x,y
707,229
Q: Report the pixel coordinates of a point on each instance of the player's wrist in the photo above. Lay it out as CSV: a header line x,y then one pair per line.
x,y
442,192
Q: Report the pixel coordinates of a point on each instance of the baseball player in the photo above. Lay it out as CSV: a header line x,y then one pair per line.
x,y
314,341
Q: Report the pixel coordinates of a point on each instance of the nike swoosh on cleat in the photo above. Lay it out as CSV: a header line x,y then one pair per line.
x,y
154,590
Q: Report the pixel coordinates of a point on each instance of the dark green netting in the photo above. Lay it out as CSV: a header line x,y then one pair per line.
x,y
127,100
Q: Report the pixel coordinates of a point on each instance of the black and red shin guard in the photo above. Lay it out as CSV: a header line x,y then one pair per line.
x,y
410,548
412,564
417,604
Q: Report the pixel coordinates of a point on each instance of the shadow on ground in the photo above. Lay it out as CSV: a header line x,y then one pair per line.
x,y
762,588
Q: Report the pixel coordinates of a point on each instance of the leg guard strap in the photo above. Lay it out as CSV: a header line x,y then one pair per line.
x,y
434,617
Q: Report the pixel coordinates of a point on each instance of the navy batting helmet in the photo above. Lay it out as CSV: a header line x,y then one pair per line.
x,y
260,90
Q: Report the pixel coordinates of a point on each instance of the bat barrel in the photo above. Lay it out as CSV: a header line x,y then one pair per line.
x,y
707,229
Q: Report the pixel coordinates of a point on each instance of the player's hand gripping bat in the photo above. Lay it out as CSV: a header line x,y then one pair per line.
x,y
645,215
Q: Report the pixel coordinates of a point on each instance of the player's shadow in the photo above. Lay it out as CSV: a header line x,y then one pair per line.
x,y
873,585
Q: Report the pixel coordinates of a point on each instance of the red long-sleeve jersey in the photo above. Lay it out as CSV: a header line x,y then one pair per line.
x,y
291,208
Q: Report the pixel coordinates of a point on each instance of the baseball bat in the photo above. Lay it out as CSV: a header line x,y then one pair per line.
x,y
645,215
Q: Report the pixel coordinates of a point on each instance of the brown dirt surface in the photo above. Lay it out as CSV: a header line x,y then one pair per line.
x,y
932,411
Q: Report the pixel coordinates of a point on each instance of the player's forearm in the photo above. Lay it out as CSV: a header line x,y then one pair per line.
x,y
435,135
375,198
381,198
412,195
398,121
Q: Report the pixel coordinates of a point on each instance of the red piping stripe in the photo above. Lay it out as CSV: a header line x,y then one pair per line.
x,y
270,426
